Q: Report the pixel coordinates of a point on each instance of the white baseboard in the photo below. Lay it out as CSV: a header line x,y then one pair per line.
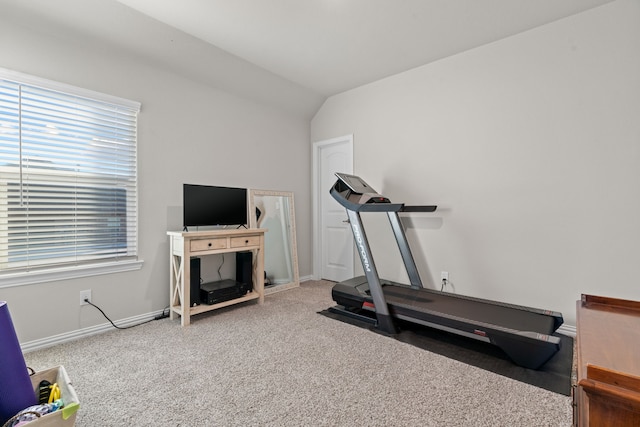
x,y
86,332
94,330
569,330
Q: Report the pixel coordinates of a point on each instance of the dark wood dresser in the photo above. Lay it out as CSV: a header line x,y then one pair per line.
x,y
607,378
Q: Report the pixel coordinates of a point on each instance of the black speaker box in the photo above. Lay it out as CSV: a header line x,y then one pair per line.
x,y
194,285
244,261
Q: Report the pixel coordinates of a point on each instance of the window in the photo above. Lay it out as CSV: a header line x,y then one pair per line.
x,y
68,177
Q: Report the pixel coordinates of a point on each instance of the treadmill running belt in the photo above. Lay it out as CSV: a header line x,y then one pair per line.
x,y
425,300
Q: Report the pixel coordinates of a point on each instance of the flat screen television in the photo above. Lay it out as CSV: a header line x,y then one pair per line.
x,y
207,205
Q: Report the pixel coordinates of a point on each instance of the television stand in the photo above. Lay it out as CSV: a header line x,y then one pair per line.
x,y
186,244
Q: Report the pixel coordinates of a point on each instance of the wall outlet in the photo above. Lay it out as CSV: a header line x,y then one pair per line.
x,y
444,275
85,295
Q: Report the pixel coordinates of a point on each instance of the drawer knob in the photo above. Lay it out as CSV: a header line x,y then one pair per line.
x,y
209,243
246,241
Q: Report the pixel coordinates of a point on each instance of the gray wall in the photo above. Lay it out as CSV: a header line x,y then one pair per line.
x,y
188,132
531,147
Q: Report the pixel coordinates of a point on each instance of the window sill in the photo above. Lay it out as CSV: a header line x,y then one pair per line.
x,y
63,273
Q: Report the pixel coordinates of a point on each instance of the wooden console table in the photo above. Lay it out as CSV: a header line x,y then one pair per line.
x,y
607,392
185,244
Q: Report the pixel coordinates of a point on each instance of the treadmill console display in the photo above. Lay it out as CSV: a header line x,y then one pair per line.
x,y
355,183
358,191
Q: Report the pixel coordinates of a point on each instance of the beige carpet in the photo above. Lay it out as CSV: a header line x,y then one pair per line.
x,y
283,364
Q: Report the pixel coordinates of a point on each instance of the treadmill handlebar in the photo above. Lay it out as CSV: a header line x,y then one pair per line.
x,y
428,208
361,201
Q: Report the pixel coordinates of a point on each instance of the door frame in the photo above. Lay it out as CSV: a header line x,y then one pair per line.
x,y
316,207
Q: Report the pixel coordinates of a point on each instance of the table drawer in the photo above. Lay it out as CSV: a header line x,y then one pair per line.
x,y
239,242
208,244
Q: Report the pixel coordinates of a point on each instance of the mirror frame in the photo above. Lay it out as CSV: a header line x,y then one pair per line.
x,y
253,223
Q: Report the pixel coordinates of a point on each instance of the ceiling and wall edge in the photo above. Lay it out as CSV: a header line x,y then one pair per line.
x,y
110,23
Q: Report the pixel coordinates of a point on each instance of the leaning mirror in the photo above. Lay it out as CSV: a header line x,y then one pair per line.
x,y
273,210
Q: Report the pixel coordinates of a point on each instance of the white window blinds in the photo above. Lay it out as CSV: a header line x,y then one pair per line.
x,y
68,176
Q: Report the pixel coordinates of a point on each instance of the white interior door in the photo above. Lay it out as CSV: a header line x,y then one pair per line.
x,y
334,241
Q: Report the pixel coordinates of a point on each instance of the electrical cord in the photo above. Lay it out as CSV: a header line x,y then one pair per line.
x,y
163,315
160,316
220,268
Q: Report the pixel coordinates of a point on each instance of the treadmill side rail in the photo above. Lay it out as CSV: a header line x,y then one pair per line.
x,y
405,250
385,322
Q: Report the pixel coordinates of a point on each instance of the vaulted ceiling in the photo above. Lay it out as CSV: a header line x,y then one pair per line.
x,y
292,54
331,46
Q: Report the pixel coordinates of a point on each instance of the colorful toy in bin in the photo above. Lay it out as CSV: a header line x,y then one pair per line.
x,y
34,412
61,411
54,393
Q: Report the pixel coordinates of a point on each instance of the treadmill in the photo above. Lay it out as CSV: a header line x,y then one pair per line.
x,y
523,333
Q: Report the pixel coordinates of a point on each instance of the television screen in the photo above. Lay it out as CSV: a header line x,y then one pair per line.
x,y
210,205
